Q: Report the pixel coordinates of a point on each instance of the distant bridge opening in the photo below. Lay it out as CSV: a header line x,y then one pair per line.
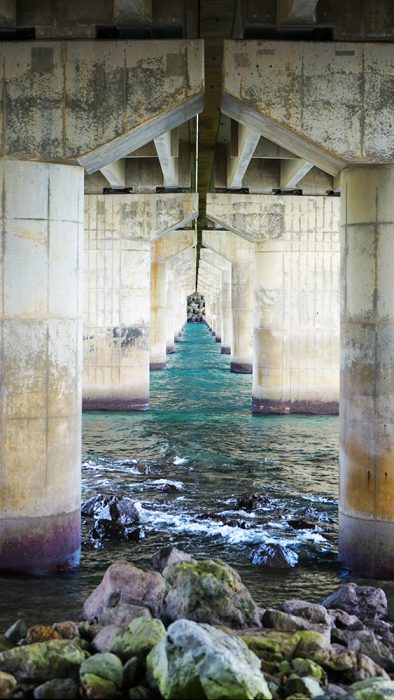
x,y
195,308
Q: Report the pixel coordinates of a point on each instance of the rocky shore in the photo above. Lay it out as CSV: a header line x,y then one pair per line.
x,y
195,308
190,629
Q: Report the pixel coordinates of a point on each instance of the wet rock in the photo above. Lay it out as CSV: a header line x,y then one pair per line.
x,y
306,685
113,530
317,614
208,590
122,614
301,524
17,631
41,633
93,505
196,661
57,689
165,556
7,684
253,501
274,556
314,514
136,639
306,667
67,629
125,583
58,658
366,602
106,666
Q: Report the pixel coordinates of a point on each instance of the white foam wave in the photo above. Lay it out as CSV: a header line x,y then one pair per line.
x,y
179,460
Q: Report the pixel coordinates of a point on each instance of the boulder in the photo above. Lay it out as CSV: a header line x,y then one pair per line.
x,y
274,556
125,583
365,642
310,611
99,688
67,629
58,658
198,661
106,666
252,501
342,620
306,667
16,632
136,639
41,633
7,684
57,689
208,590
307,686
367,602
284,621
372,689
165,556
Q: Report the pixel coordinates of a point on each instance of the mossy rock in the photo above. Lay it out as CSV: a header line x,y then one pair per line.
x,y
372,689
306,667
137,638
106,666
58,658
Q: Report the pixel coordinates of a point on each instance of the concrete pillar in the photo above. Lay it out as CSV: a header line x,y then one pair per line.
x,y
224,266
158,287
40,381
162,251
366,538
296,308
118,234
171,303
242,311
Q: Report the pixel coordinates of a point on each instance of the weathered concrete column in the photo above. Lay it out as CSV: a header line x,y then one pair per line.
x,y
240,252
171,303
224,266
296,307
40,380
366,537
163,250
119,230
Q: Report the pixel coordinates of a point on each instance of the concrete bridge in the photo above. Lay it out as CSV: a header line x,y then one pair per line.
x,y
116,203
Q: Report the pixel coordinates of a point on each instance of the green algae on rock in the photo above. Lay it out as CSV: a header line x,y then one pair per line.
x,y
198,662
57,658
208,591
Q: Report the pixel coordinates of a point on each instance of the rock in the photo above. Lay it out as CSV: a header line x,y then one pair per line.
x,y
284,621
208,590
122,614
92,506
333,689
253,501
130,670
165,556
125,583
97,687
113,530
301,524
347,665
41,633
372,689
136,639
343,620
306,686
198,661
7,684
67,629
58,658
365,642
122,510
17,631
310,611
274,556
57,689
367,602
106,666
306,667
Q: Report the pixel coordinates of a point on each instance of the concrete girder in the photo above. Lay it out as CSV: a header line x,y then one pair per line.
x,y
296,14
115,173
292,171
237,166
271,150
92,103
171,245
134,13
168,157
329,103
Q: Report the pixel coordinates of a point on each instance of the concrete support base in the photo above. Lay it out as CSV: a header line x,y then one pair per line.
x,y
241,367
268,406
155,366
225,350
366,546
170,349
117,403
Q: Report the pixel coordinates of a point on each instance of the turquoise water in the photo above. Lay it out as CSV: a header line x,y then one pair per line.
x,y
186,462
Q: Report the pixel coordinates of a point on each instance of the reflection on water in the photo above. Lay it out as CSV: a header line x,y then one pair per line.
x,y
187,462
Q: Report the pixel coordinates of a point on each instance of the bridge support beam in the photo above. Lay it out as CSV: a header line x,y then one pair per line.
x,y
40,381
367,371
